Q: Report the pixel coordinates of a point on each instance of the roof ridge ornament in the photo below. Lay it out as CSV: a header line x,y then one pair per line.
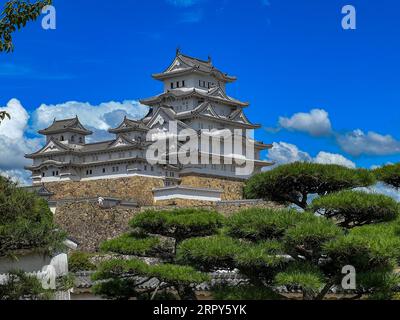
x,y
178,51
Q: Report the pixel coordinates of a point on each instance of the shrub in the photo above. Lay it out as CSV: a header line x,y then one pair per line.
x,y
389,174
293,183
128,244
356,208
179,224
26,221
260,224
80,261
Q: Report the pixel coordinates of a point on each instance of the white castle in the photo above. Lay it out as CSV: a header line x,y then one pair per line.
x,y
194,97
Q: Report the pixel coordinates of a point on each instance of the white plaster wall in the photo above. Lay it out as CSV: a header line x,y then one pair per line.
x,y
187,194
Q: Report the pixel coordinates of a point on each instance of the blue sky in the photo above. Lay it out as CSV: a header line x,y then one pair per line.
x,y
290,57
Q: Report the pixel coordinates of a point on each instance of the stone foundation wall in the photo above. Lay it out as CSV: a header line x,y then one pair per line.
x,y
233,190
90,225
138,189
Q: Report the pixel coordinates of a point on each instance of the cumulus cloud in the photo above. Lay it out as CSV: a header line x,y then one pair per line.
x,y
332,158
14,144
384,189
315,123
357,143
98,118
282,153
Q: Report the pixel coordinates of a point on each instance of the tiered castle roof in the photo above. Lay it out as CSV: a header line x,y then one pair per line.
x,y
184,64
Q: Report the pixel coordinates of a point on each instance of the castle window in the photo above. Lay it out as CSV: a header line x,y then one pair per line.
x,y
62,138
43,174
145,168
104,170
80,140
172,85
183,83
177,84
72,138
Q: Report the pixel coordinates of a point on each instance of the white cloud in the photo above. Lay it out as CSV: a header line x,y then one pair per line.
x,y
282,153
315,123
357,143
98,118
382,188
332,158
21,177
13,142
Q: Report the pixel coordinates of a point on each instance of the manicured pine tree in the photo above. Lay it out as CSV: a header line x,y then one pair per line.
x,y
155,234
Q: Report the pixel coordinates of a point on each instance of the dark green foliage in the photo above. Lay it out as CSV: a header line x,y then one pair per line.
x,y
15,15
80,261
155,234
244,292
117,289
129,244
21,286
26,221
215,253
389,174
210,253
179,224
356,208
260,224
307,237
164,272
121,280
304,275
293,183
383,284
367,247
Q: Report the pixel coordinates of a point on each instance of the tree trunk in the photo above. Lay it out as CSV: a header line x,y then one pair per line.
x,y
186,293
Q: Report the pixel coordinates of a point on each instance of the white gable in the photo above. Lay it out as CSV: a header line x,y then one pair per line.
x,y
120,142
